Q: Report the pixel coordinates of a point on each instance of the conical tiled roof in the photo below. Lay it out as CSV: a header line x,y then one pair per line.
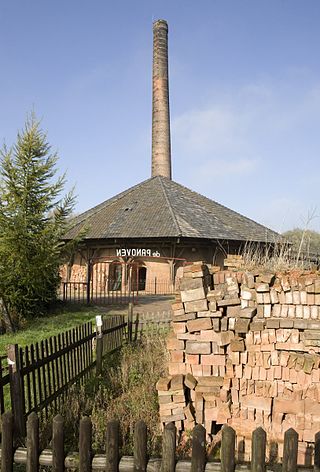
x,y
161,208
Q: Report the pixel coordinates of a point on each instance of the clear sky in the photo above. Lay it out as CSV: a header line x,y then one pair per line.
x,y
244,96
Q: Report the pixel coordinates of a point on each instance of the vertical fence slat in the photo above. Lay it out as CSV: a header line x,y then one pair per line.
x,y
140,447
316,467
41,391
112,446
85,453
130,318
290,451
7,442
28,375
198,459
227,453
33,373
258,455
57,444
169,448
16,391
33,443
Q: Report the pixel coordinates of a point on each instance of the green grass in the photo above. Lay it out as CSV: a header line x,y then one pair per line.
x,y
64,317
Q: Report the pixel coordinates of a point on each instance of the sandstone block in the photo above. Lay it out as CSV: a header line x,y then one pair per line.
x,y
163,383
190,284
199,324
237,345
174,344
199,305
242,325
192,359
190,381
193,294
198,347
229,302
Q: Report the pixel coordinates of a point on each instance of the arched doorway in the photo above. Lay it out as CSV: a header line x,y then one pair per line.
x,y
115,276
142,276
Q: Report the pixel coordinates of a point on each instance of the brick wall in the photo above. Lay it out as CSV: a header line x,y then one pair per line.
x,y
245,350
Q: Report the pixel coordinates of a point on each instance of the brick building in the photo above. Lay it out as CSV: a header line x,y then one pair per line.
x,y
142,237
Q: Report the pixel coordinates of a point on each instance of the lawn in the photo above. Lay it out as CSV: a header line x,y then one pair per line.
x,y
65,317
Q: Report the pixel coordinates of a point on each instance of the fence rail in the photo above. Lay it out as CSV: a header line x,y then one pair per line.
x,y
111,461
111,293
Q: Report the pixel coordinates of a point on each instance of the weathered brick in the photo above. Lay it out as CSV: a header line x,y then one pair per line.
x,y
199,324
199,305
193,294
198,347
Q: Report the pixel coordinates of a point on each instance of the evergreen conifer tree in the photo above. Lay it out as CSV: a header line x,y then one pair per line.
x,y
33,219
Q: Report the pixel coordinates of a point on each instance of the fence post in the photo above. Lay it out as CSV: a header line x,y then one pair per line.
x,y
316,467
140,447
258,454
227,453
16,392
33,443
88,281
290,451
112,446
99,345
85,436
168,463
198,459
57,444
7,442
130,320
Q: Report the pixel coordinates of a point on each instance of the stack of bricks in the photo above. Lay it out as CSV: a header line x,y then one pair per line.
x,y
245,350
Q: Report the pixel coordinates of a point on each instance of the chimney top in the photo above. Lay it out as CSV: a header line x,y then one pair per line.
x,y
161,147
160,24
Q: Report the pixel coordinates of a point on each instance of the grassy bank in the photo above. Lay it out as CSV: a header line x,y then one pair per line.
x,y
64,317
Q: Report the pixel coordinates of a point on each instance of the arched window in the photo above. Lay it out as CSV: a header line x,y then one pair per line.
x,y
142,275
115,276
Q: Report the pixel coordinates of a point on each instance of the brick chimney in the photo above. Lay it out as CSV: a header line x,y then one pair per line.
x,y
161,152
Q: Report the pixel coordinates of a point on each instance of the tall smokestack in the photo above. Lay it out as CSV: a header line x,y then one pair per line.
x,y
161,152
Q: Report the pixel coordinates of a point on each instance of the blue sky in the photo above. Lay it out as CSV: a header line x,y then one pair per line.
x,y
244,97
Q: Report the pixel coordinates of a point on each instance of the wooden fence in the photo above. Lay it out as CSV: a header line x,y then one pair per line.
x,y
110,461
41,373
4,381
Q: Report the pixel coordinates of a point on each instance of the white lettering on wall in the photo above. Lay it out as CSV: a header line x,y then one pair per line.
x,y
134,252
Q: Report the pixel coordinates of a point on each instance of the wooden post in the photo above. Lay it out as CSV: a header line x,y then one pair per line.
x,y
290,451
57,444
258,452
7,442
130,320
33,443
16,392
227,453
168,463
85,436
198,459
99,345
316,467
140,447
112,446
89,270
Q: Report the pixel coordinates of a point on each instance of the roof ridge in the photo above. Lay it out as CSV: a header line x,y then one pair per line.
x,y
170,208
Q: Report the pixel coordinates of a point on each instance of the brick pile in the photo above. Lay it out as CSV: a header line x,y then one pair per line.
x,y
245,350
